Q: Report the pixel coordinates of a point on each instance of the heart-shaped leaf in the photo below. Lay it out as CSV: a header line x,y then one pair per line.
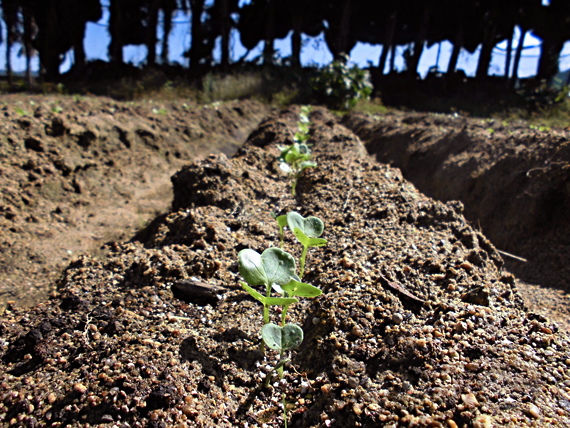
x,y
279,301
281,220
283,166
312,227
272,266
303,127
297,288
308,164
282,338
309,242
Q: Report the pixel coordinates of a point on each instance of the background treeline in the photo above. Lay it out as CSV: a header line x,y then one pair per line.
x,y
50,28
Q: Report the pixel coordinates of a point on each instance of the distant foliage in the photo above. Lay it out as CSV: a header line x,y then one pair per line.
x,y
342,86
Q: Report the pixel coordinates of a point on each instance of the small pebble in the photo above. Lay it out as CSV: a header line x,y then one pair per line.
x,y
79,387
357,331
483,421
533,411
451,423
353,382
397,318
347,263
470,400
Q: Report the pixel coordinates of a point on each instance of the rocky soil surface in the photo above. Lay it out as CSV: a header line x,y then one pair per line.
x,y
78,173
419,324
513,180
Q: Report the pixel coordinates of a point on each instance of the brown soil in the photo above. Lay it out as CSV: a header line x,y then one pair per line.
x,y
417,324
79,173
514,183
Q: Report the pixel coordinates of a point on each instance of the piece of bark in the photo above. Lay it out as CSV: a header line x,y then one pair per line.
x,y
195,291
401,292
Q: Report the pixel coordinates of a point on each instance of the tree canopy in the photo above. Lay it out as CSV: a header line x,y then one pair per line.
x,y
51,28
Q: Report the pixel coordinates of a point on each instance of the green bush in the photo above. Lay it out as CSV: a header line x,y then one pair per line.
x,y
341,86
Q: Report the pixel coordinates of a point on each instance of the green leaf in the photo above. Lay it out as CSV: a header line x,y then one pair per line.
x,y
291,157
297,288
251,267
282,338
273,266
311,226
281,220
309,242
303,127
278,301
307,164
283,166
252,292
300,137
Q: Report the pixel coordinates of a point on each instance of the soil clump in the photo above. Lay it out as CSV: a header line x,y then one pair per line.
x,y
513,181
418,324
78,173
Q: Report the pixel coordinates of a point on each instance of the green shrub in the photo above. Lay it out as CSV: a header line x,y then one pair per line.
x,y
341,86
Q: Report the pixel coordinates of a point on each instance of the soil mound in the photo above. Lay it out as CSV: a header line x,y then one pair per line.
x,y
514,183
80,172
417,324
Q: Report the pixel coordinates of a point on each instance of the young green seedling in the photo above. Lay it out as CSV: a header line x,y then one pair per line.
x,y
296,157
273,266
281,222
307,230
294,160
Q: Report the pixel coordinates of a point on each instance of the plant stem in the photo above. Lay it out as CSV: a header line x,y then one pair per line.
x,y
303,257
284,410
281,352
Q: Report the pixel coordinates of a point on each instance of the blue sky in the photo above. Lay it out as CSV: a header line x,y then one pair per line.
x,y
314,51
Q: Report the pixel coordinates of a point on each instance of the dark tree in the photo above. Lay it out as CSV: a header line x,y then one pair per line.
x,y
552,25
10,14
168,7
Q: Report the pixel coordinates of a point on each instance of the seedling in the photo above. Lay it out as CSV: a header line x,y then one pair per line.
x,y
273,266
296,157
21,111
302,135
275,269
307,231
282,222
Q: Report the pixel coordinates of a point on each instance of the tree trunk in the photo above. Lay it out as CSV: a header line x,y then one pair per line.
x,y
392,58
457,45
115,27
509,54
167,29
49,57
296,41
388,39
268,49
225,30
414,59
548,62
10,15
9,60
518,53
486,51
151,38
343,34
196,33
28,48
